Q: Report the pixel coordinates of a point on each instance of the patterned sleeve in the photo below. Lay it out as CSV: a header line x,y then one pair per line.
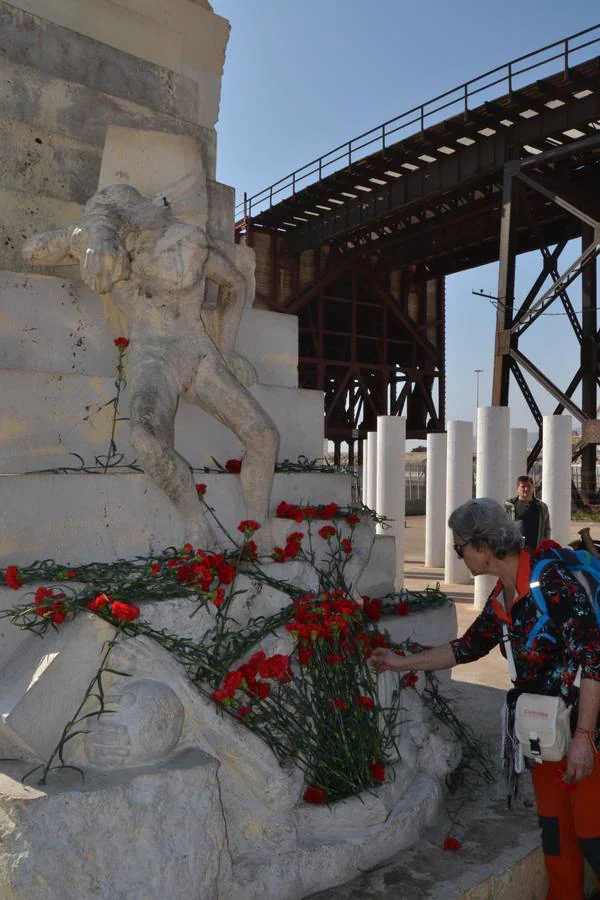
x,y
571,608
481,637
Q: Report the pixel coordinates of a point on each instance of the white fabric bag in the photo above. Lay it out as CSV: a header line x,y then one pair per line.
x,y
543,727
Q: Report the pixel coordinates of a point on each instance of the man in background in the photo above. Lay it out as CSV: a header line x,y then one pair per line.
x,y
530,512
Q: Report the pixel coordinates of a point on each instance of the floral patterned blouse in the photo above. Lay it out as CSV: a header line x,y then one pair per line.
x,y
547,667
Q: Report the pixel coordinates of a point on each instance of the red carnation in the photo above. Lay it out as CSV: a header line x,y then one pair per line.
x,y
451,843
346,545
329,511
121,343
248,527
249,551
243,712
366,702
218,597
402,609
372,609
201,490
13,577
98,601
410,679
71,574
326,532
352,520
338,703
304,655
314,794
377,772
126,612
234,466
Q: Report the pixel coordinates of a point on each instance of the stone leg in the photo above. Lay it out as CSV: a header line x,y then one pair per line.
x,y
154,398
219,392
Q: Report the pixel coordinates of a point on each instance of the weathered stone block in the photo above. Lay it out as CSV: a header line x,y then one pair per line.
x,y
86,518
79,326
145,835
71,414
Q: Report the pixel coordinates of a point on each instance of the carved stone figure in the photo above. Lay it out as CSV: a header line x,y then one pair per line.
x,y
155,266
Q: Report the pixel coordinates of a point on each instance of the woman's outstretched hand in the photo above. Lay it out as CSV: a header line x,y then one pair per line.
x,y
385,660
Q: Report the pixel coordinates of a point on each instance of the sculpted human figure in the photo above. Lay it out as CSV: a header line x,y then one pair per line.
x,y
155,266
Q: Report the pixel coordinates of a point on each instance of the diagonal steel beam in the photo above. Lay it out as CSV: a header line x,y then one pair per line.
x,y
557,288
548,385
556,198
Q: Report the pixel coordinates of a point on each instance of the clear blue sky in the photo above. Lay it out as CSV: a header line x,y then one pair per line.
x,y
302,76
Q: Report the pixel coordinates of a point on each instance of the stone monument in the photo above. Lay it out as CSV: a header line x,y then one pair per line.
x,y
178,799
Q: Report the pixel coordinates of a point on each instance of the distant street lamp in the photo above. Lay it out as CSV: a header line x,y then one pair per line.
x,y
477,372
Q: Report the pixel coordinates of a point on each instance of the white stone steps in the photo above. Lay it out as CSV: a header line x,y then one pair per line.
x,y
46,416
87,518
54,325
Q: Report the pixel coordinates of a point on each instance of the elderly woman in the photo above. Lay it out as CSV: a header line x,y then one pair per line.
x,y
567,792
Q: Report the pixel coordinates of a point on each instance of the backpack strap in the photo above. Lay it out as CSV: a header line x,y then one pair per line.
x,y
540,602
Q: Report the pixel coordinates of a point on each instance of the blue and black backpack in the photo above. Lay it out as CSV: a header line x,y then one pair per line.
x,y
582,565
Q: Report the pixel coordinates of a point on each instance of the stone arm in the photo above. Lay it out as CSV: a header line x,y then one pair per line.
x,y
49,248
94,241
233,286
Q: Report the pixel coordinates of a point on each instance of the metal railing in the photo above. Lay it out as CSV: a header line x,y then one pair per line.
x,y
426,114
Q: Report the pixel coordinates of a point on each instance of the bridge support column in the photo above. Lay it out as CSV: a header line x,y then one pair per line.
x,y
435,500
589,361
459,489
493,440
556,474
506,286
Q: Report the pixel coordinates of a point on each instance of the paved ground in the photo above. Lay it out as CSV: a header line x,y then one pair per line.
x,y
499,858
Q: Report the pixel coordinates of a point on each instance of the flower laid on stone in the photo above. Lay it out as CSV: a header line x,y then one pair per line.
x,y
201,490
316,707
378,772
314,795
401,608
126,612
453,844
55,611
121,343
234,466
13,578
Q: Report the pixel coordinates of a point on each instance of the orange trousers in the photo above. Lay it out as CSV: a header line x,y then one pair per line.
x,y
570,824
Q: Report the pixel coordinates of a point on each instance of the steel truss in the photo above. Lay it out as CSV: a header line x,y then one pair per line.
x,y
554,176
361,346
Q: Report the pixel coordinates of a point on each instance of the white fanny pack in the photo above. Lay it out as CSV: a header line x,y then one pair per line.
x,y
543,727
542,724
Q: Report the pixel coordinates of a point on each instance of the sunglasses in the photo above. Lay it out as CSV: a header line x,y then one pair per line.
x,y
459,549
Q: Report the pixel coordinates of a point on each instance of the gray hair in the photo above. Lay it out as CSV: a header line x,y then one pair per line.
x,y
483,521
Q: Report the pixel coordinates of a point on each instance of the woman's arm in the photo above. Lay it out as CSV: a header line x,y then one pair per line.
x,y
441,657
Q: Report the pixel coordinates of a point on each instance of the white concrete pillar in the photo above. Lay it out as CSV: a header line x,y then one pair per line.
x,y
365,473
459,489
493,444
391,483
372,469
556,474
435,500
517,458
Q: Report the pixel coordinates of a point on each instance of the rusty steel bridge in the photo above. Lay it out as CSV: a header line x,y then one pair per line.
x,y
357,243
